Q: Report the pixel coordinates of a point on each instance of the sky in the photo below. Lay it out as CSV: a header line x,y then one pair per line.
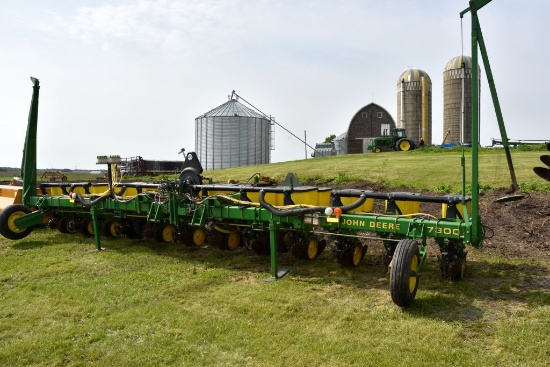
x,y
129,77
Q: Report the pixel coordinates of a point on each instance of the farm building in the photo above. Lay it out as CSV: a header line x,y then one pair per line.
x,y
369,122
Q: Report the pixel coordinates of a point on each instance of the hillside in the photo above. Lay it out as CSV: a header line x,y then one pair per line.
x,y
433,170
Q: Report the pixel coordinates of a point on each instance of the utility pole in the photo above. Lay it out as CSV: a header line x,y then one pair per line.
x,y
305,143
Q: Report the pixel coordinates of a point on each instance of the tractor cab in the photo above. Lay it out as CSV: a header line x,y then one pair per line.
x,y
398,133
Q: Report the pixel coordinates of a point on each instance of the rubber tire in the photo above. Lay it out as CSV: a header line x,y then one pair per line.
x,y
233,241
350,252
87,227
109,228
260,244
53,223
453,266
199,236
148,231
186,236
7,216
165,233
307,248
68,225
134,229
403,145
284,240
405,260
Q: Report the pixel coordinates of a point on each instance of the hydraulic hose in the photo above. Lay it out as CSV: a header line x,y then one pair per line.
x,y
85,185
90,203
303,211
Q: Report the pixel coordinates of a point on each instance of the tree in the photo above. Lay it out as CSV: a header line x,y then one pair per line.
x,y
329,138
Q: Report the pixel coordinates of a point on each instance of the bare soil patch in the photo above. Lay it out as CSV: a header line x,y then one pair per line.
x,y
513,229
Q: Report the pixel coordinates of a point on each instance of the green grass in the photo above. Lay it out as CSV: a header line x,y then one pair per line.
x,y
434,170
146,304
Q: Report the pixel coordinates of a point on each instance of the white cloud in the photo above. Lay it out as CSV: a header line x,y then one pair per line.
x,y
175,29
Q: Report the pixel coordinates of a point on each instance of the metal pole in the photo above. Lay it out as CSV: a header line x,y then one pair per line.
x,y
305,143
462,104
476,238
273,249
498,111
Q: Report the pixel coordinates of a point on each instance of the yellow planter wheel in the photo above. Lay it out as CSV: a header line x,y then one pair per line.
x,y
233,240
165,233
199,236
87,227
358,254
308,247
111,228
68,225
8,216
349,251
453,264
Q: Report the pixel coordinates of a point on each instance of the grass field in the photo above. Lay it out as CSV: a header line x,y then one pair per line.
x,y
436,170
144,304
148,304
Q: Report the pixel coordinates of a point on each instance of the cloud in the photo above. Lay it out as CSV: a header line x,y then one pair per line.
x,y
172,28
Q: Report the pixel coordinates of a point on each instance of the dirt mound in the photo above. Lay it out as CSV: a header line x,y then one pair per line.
x,y
519,228
515,229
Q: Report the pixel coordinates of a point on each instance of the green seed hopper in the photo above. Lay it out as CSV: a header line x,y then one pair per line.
x,y
267,219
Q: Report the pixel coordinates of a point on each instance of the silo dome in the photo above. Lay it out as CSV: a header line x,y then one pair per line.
x,y
232,135
414,105
456,63
457,101
413,75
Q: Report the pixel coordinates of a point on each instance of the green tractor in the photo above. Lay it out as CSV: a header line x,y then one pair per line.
x,y
397,141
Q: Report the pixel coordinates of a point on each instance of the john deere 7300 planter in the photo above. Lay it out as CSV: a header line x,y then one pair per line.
x,y
268,218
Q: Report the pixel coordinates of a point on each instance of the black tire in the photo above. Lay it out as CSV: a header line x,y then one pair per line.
x,y
165,233
453,265
229,241
68,225
199,236
307,248
284,239
350,252
134,229
232,241
404,145
111,228
215,238
52,223
87,227
404,276
8,228
148,231
260,244
186,236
